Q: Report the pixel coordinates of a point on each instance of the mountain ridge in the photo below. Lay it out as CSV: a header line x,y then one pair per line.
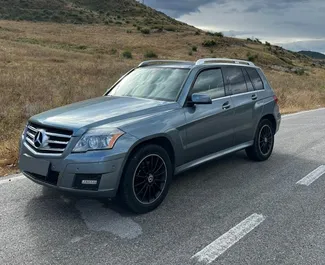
x,y
86,12
313,54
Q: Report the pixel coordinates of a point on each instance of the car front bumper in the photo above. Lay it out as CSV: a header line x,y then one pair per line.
x,y
67,172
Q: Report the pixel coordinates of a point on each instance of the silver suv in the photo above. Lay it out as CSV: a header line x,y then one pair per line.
x,y
158,120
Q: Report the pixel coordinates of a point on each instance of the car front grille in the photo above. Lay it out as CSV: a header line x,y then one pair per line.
x,y
53,140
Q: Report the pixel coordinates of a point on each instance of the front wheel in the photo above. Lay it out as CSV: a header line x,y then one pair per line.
x,y
262,148
146,179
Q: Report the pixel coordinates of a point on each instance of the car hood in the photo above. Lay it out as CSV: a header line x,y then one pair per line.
x,y
101,111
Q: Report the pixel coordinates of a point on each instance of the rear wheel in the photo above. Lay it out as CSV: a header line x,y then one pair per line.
x,y
262,148
146,179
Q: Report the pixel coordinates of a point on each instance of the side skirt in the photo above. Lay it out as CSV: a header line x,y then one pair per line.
x,y
212,156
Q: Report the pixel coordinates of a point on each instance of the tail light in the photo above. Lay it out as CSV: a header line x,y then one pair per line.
x,y
275,99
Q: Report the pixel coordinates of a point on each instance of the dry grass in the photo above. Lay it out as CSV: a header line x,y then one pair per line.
x,y
45,65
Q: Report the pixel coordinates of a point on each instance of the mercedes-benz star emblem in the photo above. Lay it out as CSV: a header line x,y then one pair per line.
x,y
40,139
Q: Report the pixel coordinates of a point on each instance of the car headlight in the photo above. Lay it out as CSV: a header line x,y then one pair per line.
x,y
98,139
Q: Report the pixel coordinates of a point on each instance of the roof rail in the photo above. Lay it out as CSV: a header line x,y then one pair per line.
x,y
159,62
225,60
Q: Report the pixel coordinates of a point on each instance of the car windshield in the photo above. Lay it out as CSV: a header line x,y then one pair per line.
x,y
152,83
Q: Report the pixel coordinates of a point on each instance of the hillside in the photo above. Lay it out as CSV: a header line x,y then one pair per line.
x,y
107,12
313,55
44,65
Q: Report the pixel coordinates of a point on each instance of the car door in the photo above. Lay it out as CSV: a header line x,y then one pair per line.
x,y
209,127
245,103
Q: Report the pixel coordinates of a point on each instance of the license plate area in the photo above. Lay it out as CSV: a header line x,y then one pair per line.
x,y
36,166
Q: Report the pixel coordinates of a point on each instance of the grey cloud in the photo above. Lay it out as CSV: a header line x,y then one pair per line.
x,y
312,45
176,8
182,7
274,5
277,21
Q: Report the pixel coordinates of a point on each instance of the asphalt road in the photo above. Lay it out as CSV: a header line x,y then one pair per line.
x,y
249,213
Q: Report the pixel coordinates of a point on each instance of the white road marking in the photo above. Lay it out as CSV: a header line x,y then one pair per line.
x,y
221,244
11,179
312,176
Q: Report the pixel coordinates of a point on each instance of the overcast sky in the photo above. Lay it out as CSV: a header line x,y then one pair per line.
x,y
294,24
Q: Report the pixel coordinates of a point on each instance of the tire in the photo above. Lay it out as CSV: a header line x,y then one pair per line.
x,y
146,179
263,145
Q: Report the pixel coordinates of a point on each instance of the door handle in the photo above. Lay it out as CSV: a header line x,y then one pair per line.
x,y
226,105
254,97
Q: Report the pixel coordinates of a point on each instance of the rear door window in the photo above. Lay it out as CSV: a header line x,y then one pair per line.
x,y
235,80
255,78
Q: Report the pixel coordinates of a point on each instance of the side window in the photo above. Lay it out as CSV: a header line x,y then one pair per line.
x,y
210,82
256,79
235,80
248,80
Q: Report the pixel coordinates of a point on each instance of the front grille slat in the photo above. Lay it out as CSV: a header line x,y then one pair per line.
x,y
32,128
31,136
57,139
58,135
57,142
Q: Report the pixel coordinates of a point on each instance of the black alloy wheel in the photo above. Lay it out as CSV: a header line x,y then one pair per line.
x,y
146,178
262,148
149,179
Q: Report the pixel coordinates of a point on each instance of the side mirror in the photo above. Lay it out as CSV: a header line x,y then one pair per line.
x,y
197,98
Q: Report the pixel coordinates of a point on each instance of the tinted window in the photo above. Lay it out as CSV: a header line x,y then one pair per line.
x,y
154,83
210,82
248,81
235,80
256,79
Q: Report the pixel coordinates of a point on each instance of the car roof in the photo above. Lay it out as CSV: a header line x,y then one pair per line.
x,y
201,62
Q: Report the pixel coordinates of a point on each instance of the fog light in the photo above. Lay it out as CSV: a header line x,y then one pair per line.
x,y
89,182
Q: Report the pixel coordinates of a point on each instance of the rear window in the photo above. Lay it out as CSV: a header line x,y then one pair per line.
x,y
235,80
255,78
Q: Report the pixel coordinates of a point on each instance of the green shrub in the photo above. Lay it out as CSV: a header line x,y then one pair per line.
x,y
249,39
190,53
129,31
267,43
139,28
118,23
150,54
209,43
170,28
145,31
82,47
300,71
251,57
194,48
215,34
197,33
113,51
127,55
